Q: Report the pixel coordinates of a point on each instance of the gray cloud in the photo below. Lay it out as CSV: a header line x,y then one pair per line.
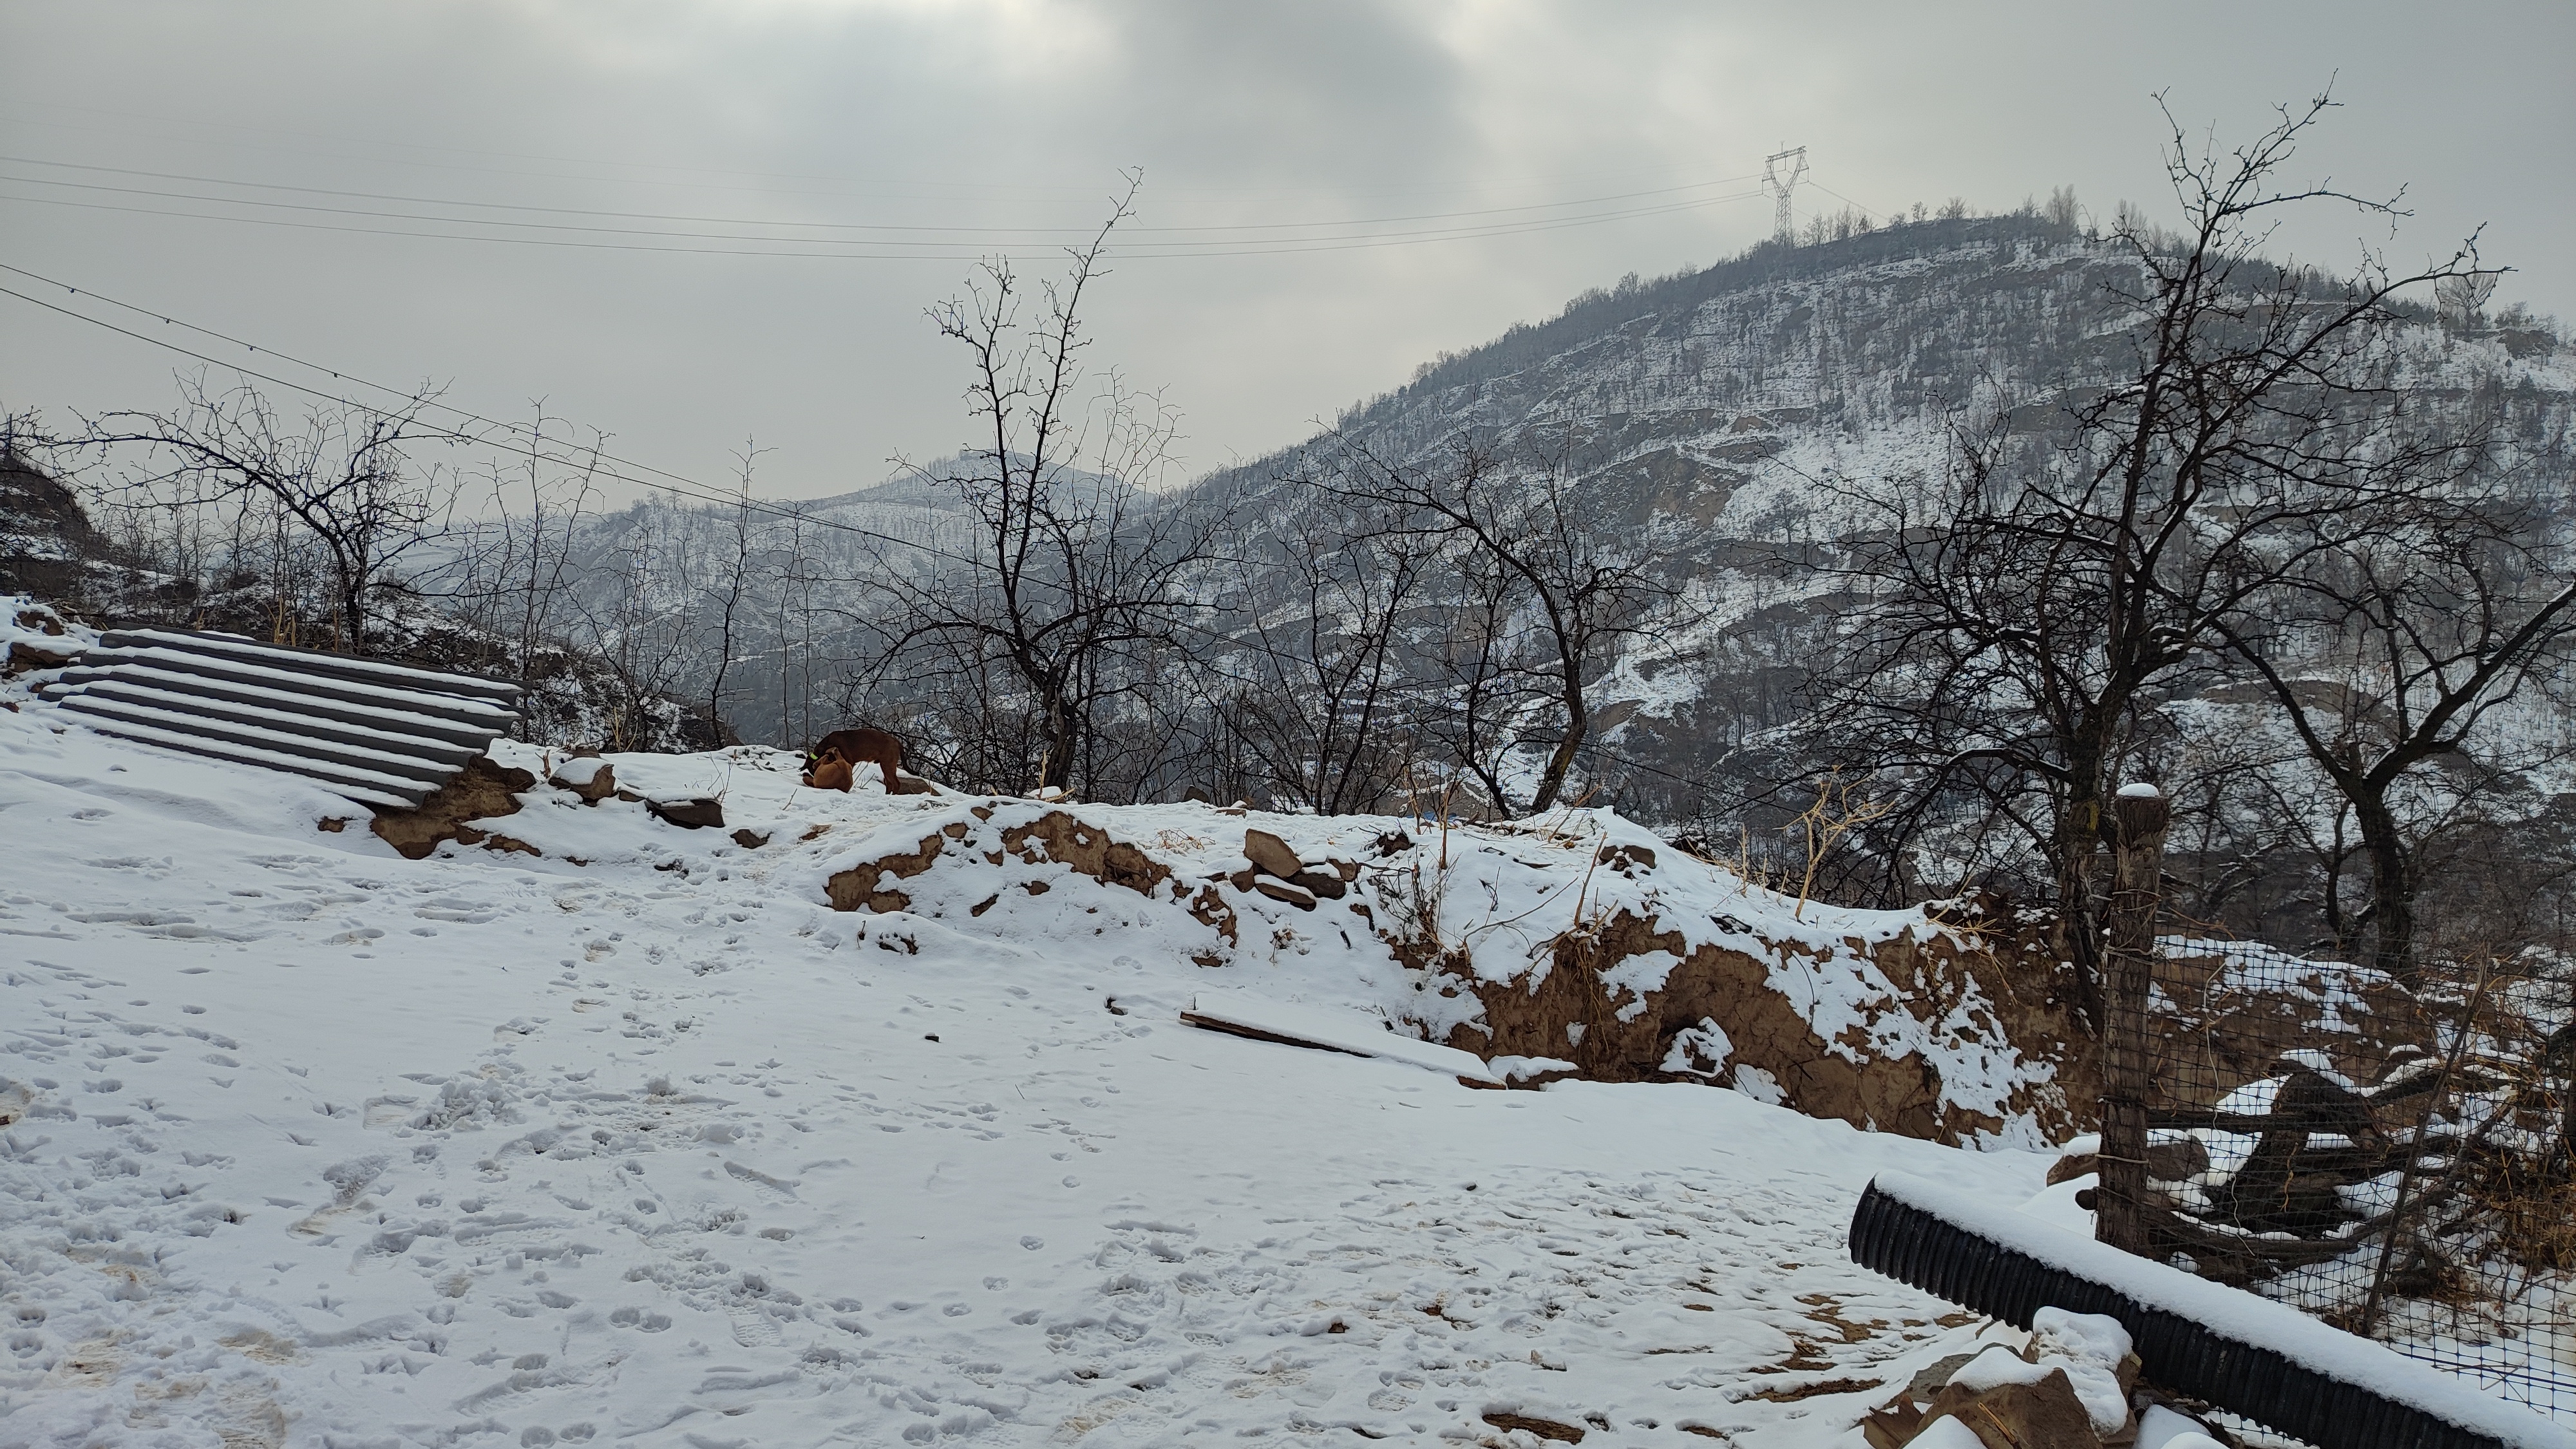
x,y
1016,115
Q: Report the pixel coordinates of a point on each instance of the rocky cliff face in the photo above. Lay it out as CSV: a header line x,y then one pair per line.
x,y
45,538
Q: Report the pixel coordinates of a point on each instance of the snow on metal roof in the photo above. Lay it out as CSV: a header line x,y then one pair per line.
x,y
380,734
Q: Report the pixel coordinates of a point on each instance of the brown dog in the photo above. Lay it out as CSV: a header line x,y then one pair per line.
x,y
829,773
851,749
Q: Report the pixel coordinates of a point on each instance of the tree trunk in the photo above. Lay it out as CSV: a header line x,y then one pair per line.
x,y
1560,762
2392,887
1055,765
2138,823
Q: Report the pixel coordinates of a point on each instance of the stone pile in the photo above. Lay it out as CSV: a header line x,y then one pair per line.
x,y
1276,871
2073,1386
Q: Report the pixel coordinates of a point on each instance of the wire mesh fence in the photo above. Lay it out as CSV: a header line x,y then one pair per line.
x,y
2394,1161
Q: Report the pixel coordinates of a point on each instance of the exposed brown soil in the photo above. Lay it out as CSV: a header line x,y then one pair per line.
x,y
1531,1017
1087,849
1054,836
1544,1428
1818,1390
1209,909
860,887
2217,1036
482,790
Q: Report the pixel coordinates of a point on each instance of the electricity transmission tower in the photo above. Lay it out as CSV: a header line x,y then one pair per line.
x,y
1780,183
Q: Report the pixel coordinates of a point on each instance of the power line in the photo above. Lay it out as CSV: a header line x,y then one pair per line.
x,y
1206,248
1081,231
197,128
674,483
1838,196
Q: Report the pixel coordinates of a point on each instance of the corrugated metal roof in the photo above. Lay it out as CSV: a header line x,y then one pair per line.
x,y
380,734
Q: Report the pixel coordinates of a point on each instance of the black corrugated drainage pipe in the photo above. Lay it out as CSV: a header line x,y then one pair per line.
x,y
2244,1354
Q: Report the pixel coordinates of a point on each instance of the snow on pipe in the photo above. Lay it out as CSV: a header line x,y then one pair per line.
x,y
380,734
2244,1354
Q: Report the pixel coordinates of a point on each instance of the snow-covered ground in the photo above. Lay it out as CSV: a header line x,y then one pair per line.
x,y
309,1144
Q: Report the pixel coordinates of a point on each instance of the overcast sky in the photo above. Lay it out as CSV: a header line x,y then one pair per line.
x,y
687,224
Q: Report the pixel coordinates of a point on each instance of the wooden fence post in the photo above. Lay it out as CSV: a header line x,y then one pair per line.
x,y
2139,816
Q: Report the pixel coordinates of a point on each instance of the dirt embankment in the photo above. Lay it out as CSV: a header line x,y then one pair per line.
x,y
1569,1012
2227,1012
1937,1031
1054,836
482,790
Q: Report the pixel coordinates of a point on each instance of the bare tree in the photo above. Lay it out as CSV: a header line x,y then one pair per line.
x,y
639,629
730,581
2413,637
512,568
1326,680
793,628
341,481
1079,573
2032,615
2462,299
1550,591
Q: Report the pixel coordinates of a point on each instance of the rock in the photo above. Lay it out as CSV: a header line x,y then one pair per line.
x,y
593,779
2163,1426
1927,1385
750,839
1271,855
1627,860
2020,1416
25,657
2077,1164
692,814
1280,890
1324,883
1892,1427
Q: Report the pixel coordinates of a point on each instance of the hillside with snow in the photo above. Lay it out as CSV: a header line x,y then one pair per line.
x,y
602,1129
